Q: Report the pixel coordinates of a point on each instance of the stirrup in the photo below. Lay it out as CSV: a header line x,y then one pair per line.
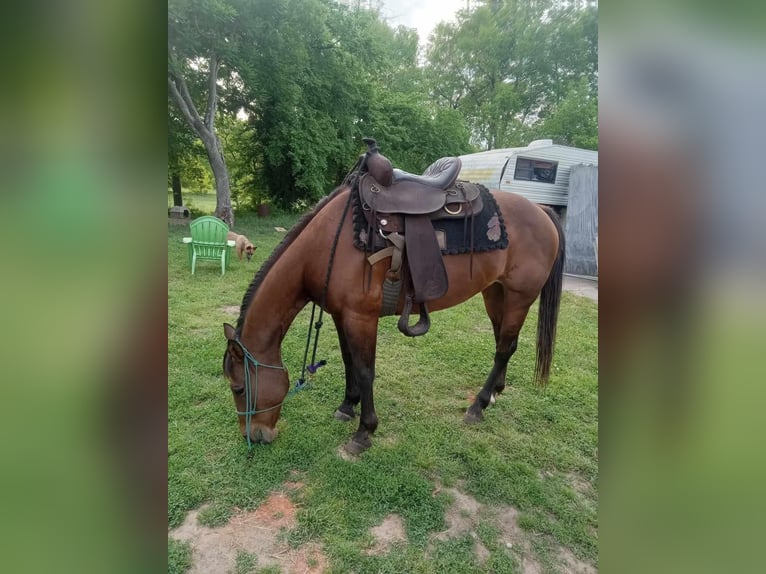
x,y
419,328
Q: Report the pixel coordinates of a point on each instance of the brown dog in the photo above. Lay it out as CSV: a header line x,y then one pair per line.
x,y
243,245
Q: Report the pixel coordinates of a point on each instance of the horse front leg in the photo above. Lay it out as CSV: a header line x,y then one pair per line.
x,y
346,411
361,334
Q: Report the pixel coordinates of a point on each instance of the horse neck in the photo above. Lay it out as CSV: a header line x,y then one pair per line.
x,y
278,300
283,293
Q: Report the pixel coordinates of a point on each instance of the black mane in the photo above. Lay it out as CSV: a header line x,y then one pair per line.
x,y
288,239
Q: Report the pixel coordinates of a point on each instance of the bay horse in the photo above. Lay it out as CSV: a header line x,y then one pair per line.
x,y
509,280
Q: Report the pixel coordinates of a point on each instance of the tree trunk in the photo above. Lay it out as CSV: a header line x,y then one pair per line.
x,y
214,151
176,183
205,129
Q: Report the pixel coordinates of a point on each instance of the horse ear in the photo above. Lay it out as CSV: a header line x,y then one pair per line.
x,y
229,332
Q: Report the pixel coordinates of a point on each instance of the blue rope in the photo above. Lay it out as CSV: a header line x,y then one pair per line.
x,y
301,382
248,414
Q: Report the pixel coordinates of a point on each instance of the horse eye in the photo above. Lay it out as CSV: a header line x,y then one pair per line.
x,y
238,391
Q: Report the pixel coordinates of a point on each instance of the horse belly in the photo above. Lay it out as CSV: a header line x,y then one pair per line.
x,y
466,278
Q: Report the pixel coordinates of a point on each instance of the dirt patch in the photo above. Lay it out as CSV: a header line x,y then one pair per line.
x,y
257,533
482,554
573,565
516,539
578,483
388,533
463,518
308,559
230,310
277,512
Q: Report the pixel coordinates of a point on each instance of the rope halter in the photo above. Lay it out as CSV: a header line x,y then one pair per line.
x,y
252,390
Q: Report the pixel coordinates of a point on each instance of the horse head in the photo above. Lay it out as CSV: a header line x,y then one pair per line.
x,y
259,389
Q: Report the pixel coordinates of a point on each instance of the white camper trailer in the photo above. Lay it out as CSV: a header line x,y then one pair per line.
x,y
539,172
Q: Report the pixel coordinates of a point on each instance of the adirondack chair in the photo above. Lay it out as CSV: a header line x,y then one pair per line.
x,y
208,242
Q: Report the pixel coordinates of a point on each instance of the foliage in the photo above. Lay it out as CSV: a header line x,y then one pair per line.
x,y
236,134
179,557
507,65
199,46
574,120
319,78
180,139
313,77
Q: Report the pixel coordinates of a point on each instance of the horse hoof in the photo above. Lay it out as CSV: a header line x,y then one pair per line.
x,y
355,448
347,456
472,418
341,416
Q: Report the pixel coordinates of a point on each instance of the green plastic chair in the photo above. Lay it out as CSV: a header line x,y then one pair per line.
x,y
208,242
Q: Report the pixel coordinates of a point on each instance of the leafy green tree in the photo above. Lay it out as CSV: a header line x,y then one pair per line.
x,y
187,159
199,41
319,77
237,135
413,135
574,120
314,77
507,65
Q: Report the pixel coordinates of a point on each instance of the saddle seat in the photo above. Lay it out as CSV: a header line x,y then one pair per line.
x,y
441,174
428,194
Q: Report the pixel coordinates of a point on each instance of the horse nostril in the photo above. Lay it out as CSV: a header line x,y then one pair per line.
x,y
256,436
261,435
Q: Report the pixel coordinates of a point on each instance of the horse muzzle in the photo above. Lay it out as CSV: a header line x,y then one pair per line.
x,y
261,435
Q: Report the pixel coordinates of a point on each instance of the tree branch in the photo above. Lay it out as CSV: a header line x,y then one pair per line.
x,y
212,97
185,103
180,102
181,82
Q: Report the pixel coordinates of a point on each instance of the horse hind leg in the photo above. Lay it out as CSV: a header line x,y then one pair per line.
x,y
507,310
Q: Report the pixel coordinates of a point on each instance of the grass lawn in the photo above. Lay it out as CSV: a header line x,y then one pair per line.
x,y
522,483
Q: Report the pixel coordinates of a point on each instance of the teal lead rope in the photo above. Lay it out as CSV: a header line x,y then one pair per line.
x,y
313,367
248,414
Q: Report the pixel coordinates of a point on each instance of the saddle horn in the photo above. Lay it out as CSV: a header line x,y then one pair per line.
x,y
378,165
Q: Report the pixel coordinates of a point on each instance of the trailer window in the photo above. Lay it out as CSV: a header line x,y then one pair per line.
x,y
535,170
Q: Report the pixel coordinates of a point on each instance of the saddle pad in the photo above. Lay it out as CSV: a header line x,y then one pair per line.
x,y
488,229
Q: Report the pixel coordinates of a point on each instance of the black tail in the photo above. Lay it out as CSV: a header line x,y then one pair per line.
x,y
550,299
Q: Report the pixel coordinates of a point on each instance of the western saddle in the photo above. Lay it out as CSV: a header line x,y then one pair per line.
x,y
399,209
